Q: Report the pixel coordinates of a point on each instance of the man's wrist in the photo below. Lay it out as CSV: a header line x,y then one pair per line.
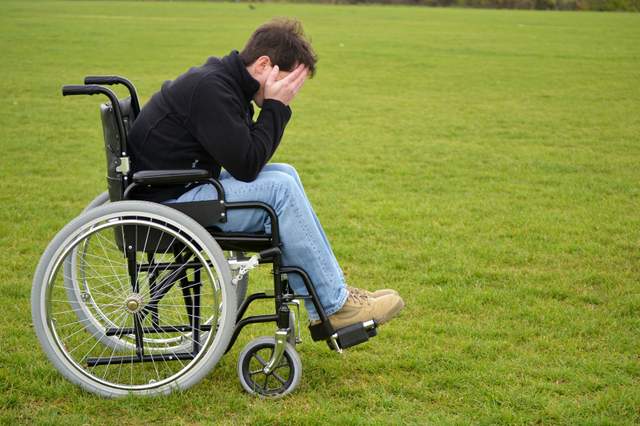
x,y
277,106
270,100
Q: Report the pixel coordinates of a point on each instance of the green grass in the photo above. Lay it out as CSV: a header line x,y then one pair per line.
x,y
484,163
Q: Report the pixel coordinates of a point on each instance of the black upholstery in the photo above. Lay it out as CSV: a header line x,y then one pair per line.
x,y
117,179
166,177
241,241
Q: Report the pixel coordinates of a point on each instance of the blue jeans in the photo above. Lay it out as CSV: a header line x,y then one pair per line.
x,y
304,242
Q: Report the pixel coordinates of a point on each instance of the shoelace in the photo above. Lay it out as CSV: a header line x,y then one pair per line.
x,y
357,291
357,295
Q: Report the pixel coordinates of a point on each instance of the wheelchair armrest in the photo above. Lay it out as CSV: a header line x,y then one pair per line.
x,y
170,177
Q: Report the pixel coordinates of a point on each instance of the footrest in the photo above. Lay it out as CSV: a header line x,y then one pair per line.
x,y
321,331
353,334
345,337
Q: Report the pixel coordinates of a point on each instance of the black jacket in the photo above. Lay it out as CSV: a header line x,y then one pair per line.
x,y
204,119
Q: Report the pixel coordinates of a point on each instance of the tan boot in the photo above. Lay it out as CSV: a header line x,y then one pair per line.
x,y
373,294
360,308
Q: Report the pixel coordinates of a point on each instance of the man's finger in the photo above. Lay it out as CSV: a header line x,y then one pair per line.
x,y
271,78
297,88
293,74
297,83
300,77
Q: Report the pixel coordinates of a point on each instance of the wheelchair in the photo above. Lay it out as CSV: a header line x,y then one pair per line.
x,y
140,298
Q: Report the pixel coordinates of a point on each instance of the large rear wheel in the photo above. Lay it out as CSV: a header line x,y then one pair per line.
x,y
158,308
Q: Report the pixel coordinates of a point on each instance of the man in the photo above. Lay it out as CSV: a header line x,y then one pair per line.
x,y
204,119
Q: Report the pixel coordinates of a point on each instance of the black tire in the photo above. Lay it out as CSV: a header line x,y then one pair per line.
x,y
285,377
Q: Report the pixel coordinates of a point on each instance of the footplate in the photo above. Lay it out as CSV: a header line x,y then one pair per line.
x,y
344,337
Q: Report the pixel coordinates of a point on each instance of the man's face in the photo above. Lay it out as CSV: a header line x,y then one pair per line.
x,y
260,70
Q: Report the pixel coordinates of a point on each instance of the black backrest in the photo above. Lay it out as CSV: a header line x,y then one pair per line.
x,y
118,176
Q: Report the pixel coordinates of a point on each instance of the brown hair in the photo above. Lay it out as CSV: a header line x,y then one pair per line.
x,y
284,42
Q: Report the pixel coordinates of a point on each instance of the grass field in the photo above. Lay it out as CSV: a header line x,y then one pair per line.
x,y
483,163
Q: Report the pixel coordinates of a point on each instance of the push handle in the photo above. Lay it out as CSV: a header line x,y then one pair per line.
x,y
71,90
102,79
115,79
91,89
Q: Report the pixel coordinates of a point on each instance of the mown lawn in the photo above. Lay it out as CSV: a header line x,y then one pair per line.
x,y
483,163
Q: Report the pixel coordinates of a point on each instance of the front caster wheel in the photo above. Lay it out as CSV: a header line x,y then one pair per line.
x,y
279,382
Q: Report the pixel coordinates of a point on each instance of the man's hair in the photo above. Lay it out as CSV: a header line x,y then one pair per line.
x,y
284,42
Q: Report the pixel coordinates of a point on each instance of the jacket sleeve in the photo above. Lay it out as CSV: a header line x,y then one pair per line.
x,y
218,120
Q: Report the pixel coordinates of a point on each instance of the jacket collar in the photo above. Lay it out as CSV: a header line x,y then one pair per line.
x,y
236,67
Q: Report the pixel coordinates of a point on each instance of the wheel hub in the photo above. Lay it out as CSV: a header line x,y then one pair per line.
x,y
133,303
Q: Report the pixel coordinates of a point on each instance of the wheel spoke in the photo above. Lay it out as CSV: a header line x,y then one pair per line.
x,y
260,360
277,376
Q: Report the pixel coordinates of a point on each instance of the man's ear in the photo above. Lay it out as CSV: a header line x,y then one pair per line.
x,y
261,64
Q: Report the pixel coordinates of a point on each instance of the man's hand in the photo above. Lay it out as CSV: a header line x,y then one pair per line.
x,y
286,89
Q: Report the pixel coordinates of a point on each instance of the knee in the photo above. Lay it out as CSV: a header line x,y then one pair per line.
x,y
286,181
286,168
278,182
285,190
276,188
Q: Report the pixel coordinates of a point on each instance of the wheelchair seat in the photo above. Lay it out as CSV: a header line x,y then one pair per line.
x,y
241,241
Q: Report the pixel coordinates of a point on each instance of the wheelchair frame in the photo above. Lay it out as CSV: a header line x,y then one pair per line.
x,y
117,117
